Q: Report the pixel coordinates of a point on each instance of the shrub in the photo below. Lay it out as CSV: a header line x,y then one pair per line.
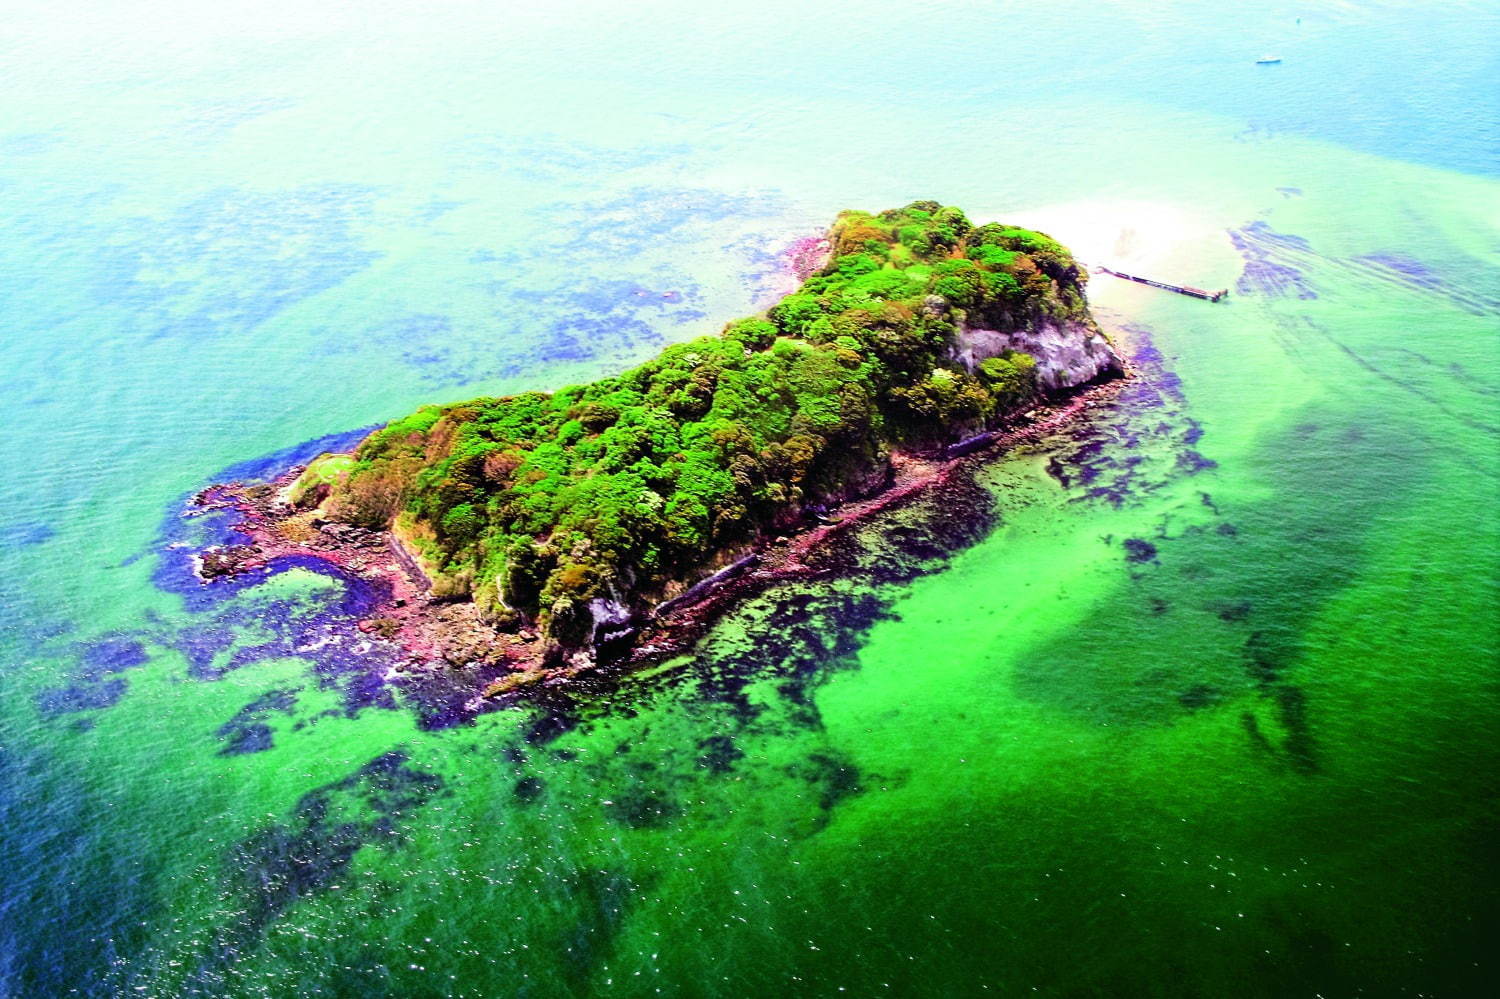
x,y
755,334
1011,377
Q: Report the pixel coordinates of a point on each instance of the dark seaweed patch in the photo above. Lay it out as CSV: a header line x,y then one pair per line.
x,y
311,850
1264,277
1131,446
1415,275
1276,263
1233,611
93,684
112,655
1407,267
1267,654
643,808
606,897
1266,271
287,247
26,533
836,779
247,731
80,697
1191,462
1298,747
1310,458
1200,695
200,645
550,724
718,754
1257,737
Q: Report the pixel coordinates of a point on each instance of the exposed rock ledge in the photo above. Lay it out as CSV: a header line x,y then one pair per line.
x,y
1068,353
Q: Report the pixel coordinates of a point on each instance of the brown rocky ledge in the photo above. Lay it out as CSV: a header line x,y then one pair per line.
x,y
437,633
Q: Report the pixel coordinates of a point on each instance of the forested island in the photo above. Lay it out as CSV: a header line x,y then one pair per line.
x,y
547,530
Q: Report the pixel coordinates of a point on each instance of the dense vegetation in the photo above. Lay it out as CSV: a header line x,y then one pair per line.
x,y
538,503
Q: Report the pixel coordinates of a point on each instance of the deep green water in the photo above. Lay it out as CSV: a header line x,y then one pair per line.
x,y
1206,705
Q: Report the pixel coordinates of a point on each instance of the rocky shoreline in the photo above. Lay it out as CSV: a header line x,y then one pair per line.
x,y
436,633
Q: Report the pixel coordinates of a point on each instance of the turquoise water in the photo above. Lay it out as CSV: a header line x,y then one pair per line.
x,y
1207,705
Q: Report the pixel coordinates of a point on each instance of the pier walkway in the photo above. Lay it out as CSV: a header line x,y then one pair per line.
x,y
1181,289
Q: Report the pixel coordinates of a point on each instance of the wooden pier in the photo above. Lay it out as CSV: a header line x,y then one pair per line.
x,y
1181,289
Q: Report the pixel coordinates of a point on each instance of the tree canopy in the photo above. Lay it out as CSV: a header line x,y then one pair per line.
x,y
536,503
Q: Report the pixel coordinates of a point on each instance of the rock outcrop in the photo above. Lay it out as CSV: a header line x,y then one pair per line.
x,y
1068,353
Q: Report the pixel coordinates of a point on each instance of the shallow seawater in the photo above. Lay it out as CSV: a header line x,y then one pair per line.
x,y
1198,697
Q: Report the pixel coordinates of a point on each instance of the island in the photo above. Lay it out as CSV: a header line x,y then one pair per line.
x,y
549,533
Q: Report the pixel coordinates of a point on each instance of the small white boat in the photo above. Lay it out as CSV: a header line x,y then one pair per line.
x,y
1267,60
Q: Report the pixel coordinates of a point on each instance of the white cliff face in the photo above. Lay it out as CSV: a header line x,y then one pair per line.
x,y
609,618
1068,354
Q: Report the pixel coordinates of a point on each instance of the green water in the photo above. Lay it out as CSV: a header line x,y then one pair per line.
x,y
1252,752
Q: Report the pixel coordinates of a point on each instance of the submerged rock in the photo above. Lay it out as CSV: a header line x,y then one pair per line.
x,y
228,560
